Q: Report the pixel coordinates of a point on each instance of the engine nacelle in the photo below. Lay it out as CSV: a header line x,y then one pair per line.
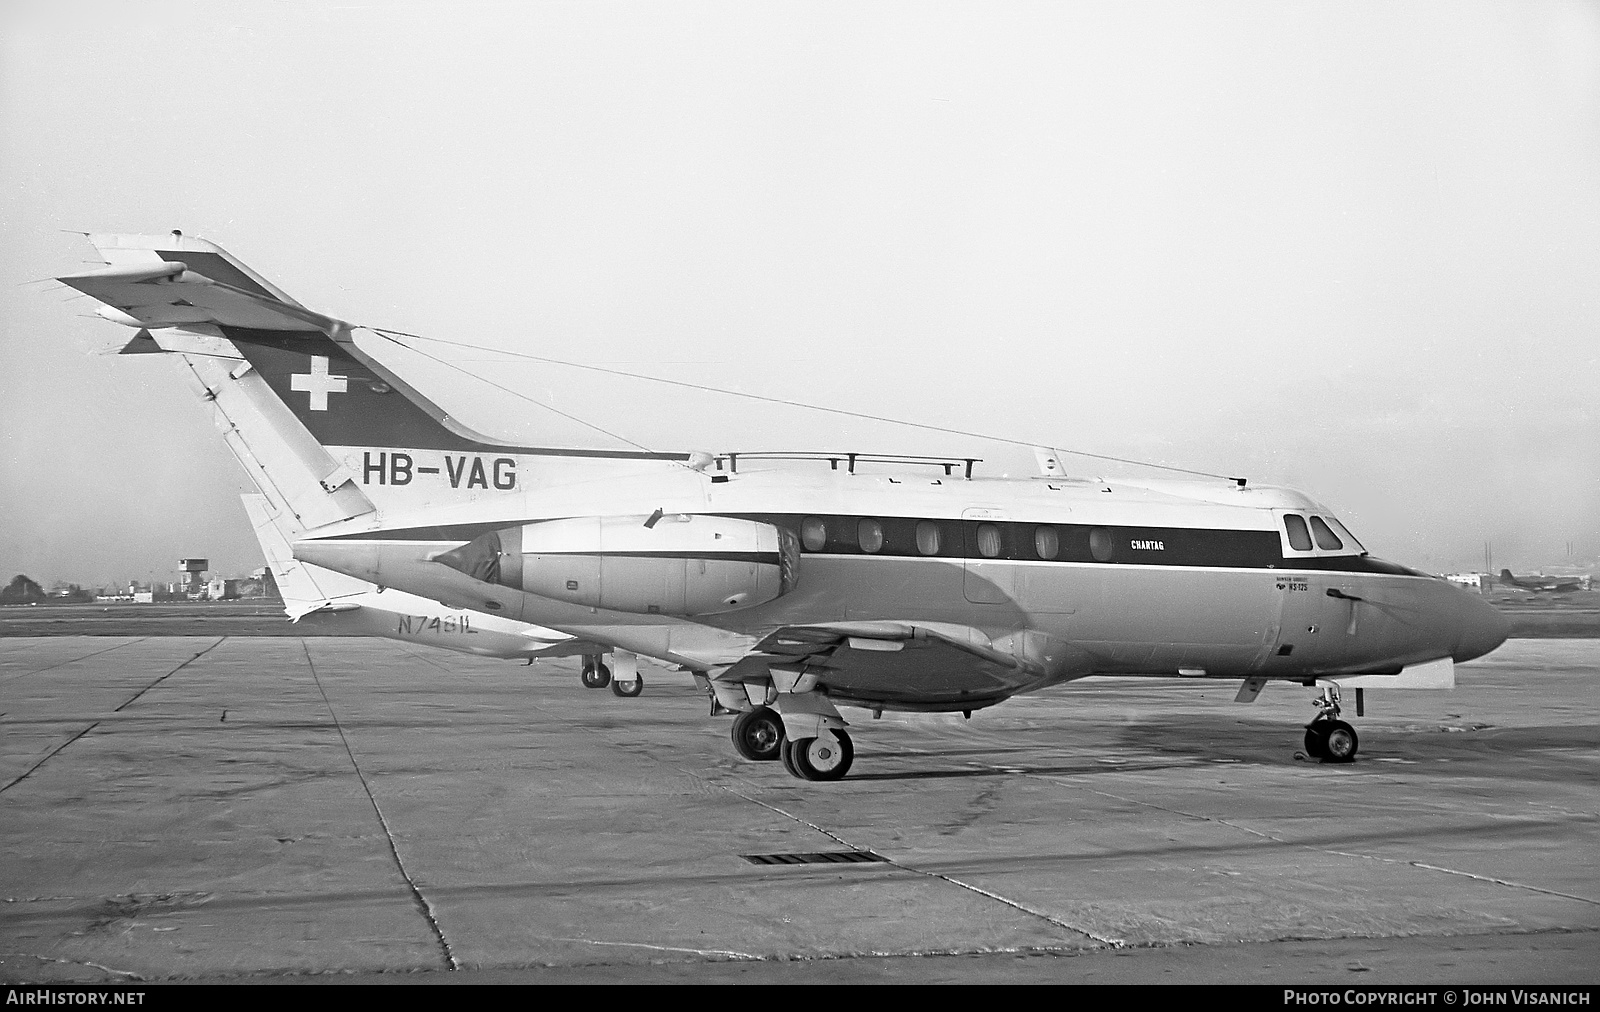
x,y
682,565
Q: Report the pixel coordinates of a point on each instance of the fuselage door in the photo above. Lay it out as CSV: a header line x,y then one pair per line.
x,y
1319,617
988,578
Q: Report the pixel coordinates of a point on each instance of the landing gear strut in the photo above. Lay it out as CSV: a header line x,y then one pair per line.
x,y
595,674
1327,737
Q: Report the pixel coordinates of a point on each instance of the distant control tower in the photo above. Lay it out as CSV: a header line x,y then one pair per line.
x,y
191,576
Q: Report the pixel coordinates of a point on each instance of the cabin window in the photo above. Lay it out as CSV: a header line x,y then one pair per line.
x,y
1326,539
869,535
1101,544
927,537
988,540
1299,537
1046,542
813,534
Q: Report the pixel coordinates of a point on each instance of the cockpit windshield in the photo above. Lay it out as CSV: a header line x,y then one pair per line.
x,y
1308,533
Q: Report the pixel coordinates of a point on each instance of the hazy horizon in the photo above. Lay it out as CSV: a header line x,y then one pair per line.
x,y
1349,248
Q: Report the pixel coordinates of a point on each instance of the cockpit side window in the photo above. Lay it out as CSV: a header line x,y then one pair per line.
x,y
1299,537
1326,539
1350,542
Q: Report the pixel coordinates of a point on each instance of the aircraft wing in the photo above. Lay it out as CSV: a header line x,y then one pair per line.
x,y
942,664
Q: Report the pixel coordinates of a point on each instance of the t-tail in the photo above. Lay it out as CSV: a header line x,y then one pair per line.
x,y
324,427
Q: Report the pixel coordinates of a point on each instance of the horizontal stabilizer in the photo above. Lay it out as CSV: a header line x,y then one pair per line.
x,y
173,295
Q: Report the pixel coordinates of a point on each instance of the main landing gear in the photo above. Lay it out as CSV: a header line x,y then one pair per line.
x,y
596,675
1327,737
758,734
825,757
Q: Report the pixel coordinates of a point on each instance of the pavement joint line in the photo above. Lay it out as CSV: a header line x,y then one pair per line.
x,y
29,771
52,667
1345,853
663,948
1014,904
426,907
85,962
426,660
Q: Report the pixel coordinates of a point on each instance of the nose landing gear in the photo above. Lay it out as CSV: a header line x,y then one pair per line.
x,y
1327,737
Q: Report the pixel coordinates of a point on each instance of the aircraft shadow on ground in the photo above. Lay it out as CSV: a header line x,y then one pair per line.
x,y
1542,753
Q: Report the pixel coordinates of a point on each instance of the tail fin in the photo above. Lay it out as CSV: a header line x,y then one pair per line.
x,y
304,588
312,415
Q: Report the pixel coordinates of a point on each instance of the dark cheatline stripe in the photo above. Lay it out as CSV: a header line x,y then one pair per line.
x,y
1181,546
368,412
958,539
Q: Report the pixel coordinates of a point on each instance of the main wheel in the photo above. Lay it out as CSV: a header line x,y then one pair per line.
x,y
826,757
1340,742
596,676
758,734
628,689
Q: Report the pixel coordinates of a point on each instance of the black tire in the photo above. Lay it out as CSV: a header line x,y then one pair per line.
x,y
1316,740
596,676
1339,742
827,757
617,687
758,734
786,756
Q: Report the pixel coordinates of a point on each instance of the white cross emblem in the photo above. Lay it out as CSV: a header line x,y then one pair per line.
x,y
318,383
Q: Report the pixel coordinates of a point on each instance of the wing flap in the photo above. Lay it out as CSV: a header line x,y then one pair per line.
x,y
905,665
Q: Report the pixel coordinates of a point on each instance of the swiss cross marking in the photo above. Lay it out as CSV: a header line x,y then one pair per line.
x,y
318,383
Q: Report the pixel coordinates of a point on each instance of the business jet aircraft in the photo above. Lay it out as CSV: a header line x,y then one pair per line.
x,y
1541,584
790,591
325,599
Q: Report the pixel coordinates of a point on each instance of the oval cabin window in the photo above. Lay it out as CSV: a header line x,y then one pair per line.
x,y
988,540
928,537
1101,544
813,534
1046,543
869,534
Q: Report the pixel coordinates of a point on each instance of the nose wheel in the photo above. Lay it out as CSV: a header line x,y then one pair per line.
x,y
1327,737
1331,741
627,690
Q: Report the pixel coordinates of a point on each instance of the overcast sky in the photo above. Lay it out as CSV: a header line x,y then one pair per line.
x,y
1354,248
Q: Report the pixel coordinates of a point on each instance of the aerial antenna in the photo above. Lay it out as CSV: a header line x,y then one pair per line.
x,y
394,337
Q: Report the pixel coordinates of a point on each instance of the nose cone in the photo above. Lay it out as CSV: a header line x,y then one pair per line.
x,y
1482,628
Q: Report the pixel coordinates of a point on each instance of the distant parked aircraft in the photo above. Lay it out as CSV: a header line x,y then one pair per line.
x,y
1541,584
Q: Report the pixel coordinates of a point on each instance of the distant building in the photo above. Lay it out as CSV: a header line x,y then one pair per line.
x,y
1476,582
223,590
191,576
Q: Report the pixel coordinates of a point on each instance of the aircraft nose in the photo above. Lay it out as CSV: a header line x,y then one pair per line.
x,y
1481,628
